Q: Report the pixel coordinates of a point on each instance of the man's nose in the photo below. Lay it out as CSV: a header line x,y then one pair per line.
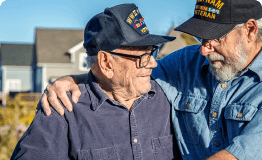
x,y
152,63
206,48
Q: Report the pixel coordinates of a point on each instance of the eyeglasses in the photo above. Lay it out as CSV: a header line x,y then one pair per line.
x,y
143,59
203,41
217,42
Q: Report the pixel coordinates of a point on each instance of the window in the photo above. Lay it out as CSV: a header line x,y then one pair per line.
x,y
13,85
82,62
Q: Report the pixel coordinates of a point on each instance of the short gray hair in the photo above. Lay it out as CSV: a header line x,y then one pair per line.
x,y
259,35
91,61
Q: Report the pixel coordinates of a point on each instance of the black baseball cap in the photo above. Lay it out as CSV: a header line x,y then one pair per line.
x,y
121,25
215,18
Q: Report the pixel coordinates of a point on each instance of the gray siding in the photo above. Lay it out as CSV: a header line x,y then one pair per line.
x,y
18,73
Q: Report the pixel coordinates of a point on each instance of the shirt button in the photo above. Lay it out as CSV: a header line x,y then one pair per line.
x,y
217,144
188,105
214,114
239,115
224,85
135,140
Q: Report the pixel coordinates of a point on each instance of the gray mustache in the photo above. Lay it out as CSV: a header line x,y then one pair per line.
x,y
215,57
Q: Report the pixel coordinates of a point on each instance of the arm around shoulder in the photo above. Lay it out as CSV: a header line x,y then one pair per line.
x,y
58,90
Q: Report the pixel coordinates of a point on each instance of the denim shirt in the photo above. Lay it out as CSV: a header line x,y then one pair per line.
x,y
100,128
208,115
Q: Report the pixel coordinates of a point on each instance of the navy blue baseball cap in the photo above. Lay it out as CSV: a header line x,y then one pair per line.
x,y
215,18
121,25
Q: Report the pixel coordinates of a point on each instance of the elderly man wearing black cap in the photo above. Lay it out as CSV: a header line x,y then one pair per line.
x,y
215,87
121,113
215,95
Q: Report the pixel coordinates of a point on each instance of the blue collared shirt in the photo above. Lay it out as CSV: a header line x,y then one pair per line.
x,y
209,115
101,128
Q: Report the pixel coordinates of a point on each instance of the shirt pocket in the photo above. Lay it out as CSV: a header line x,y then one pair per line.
x,y
237,116
109,153
189,110
163,148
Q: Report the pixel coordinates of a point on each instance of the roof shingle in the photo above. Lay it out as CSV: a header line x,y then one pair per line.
x,y
53,44
17,54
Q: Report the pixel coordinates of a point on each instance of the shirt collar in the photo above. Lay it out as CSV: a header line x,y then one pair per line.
x,y
98,96
255,66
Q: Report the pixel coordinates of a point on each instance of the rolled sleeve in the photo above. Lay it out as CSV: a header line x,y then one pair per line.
x,y
248,144
46,138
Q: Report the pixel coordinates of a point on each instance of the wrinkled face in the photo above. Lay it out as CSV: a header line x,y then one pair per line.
x,y
229,58
128,75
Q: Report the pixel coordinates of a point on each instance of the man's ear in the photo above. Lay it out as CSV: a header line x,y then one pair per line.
x,y
104,60
251,30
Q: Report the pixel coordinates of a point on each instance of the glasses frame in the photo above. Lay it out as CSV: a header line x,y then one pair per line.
x,y
138,57
218,40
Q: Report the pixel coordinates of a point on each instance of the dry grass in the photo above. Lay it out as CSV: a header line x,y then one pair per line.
x,y
189,39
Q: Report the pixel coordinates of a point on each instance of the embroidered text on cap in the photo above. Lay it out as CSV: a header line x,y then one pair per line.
x,y
136,21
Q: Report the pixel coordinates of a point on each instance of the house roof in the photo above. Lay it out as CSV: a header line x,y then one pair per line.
x,y
17,54
52,45
172,46
182,40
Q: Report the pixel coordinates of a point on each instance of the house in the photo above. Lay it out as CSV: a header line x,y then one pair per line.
x,y
16,61
15,69
58,52
182,40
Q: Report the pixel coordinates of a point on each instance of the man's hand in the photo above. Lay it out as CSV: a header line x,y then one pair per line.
x,y
58,90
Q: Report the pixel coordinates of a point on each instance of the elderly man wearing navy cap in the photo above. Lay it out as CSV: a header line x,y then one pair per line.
x,y
121,113
214,88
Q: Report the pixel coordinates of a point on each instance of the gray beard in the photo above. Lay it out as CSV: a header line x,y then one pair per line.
x,y
232,66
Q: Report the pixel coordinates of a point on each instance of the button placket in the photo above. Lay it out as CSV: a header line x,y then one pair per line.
x,y
134,136
217,103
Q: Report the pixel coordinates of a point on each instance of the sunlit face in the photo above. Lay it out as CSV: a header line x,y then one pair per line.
x,y
128,75
227,60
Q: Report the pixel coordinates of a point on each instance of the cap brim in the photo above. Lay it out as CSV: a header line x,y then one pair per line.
x,y
150,40
204,29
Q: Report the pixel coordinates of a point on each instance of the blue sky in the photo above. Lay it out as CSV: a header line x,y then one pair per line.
x,y
19,18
